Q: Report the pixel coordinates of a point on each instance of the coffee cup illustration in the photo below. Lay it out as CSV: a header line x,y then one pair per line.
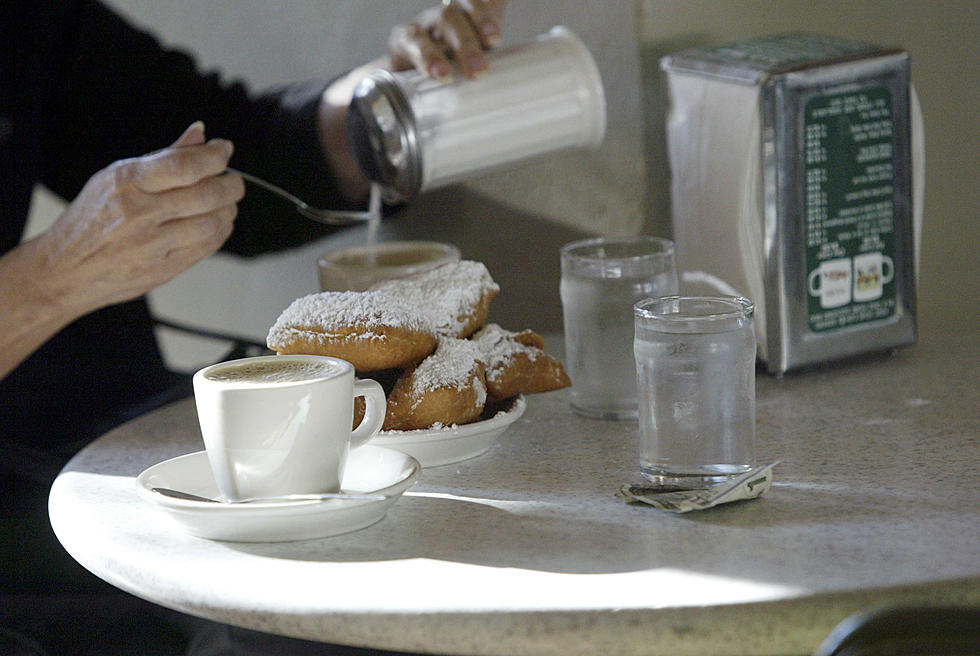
x,y
831,281
872,271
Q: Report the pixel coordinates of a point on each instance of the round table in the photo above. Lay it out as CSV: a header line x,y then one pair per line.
x,y
526,549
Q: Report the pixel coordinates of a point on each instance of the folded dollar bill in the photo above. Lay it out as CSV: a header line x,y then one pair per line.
x,y
753,483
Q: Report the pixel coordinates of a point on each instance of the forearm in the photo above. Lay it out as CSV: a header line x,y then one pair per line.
x,y
33,309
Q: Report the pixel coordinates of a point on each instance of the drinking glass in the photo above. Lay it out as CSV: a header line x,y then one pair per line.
x,y
601,279
695,364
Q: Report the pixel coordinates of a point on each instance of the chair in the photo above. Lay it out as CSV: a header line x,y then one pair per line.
x,y
241,347
906,631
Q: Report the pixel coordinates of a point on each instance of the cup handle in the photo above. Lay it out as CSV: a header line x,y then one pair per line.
x,y
891,269
375,407
814,291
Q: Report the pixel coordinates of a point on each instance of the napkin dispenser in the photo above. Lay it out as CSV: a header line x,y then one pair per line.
x,y
797,172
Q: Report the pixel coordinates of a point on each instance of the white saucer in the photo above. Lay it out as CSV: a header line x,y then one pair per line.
x,y
370,469
443,446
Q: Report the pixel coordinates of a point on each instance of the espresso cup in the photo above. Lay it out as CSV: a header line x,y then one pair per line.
x,y
282,424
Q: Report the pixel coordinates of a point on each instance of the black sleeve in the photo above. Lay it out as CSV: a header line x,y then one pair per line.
x,y
116,92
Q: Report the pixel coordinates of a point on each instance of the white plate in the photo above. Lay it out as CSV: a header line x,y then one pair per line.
x,y
370,469
443,446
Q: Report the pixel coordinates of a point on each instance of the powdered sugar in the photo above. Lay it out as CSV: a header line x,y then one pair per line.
x,y
450,367
330,313
445,295
497,347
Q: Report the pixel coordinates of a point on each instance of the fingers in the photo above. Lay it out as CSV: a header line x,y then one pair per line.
x,y
459,30
194,237
206,196
485,16
411,46
187,179
462,37
192,136
188,161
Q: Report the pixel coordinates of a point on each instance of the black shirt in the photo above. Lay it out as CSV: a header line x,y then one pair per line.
x,y
79,89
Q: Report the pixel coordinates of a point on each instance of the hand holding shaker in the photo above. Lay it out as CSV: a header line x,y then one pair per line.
x,y
411,133
695,364
601,279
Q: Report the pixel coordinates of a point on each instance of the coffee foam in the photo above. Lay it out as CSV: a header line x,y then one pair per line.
x,y
273,371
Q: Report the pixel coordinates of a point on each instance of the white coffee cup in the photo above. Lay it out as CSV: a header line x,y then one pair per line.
x,y
282,424
832,282
872,271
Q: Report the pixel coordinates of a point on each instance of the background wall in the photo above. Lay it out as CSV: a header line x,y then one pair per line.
x,y
624,187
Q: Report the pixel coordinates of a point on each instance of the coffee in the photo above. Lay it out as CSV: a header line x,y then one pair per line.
x,y
356,268
273,371
412,254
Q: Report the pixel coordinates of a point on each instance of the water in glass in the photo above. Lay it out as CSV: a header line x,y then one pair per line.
x,y
598,315
697,403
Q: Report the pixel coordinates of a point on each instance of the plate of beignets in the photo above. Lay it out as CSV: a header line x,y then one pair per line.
x,y
453,382
445,445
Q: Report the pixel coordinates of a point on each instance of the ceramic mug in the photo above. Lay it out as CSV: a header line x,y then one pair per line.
x,y
356,268
282,424
872,271
832,282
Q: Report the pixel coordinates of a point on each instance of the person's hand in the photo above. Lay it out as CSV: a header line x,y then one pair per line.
x,y
139,222
458,30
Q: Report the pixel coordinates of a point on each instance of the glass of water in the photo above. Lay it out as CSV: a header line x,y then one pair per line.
x,y
601,279
695,365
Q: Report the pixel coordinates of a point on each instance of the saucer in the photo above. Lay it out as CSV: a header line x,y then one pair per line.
x,y
370,469
443,446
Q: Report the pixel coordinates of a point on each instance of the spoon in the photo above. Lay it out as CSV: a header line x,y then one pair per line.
x,y
329,217
350,496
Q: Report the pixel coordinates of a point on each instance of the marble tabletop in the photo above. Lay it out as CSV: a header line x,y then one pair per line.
x,y
527,550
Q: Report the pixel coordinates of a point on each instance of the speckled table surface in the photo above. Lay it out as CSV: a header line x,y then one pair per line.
x,y
527,550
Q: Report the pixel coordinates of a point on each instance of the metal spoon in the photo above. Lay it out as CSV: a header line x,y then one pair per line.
x,y
350,496
329,217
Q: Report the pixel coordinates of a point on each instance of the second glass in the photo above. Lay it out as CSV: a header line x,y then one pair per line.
x,y
601,279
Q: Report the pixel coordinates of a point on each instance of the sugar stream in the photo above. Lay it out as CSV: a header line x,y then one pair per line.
x,y
374,219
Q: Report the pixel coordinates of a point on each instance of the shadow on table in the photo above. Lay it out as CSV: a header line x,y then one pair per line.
x,y
494,527
720,542
527,527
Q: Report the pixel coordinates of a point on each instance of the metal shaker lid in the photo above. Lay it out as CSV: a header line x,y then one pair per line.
x,y
382,133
